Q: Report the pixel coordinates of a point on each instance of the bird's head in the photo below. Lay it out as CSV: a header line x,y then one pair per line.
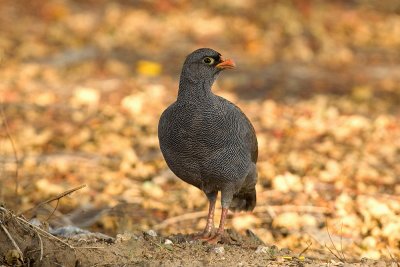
x,y
205,64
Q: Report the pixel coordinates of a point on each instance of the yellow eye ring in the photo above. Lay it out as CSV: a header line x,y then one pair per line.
x,y
209,60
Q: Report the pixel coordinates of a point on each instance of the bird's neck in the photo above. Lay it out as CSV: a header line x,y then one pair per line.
x,y
194,90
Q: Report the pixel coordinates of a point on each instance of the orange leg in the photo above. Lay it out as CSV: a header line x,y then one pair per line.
x,y
205,235
218,235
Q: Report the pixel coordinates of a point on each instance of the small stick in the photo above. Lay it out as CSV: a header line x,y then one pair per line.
x,y
304,250
391,256
269,210
89,247
41,245
160,246
58,197
41,231
184,217
265,208
14,148
341,242
12,240
288,208
54,210
330,238
333,253
47,234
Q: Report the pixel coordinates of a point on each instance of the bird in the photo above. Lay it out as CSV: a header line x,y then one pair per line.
x,y
208,142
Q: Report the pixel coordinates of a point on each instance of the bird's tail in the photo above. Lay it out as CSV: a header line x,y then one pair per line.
x,y
245,201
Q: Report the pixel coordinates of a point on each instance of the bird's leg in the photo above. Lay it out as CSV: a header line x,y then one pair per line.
x,y
220,230
226,199
210,219
212,197
205,234
217,237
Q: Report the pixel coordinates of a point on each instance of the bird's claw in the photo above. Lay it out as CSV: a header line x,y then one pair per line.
x,y
214,239
204,236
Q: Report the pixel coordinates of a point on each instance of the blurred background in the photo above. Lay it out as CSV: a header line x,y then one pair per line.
x,y
83,84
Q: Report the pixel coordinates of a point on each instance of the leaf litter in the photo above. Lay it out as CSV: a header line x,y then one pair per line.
x,y
82,91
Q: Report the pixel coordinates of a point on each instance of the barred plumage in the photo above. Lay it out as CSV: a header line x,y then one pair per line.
x,y
208,141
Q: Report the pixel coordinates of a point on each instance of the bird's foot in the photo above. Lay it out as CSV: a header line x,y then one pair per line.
x,y
203,236
215,239
220,238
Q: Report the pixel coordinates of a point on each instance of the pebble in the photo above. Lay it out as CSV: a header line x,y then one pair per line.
x,y
219,250
124,237
168,242
262,249
151,233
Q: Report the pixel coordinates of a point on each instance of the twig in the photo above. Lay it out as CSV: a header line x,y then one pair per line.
x,y
288,208
160,246
62,195
333,253
391,256
109,264
304,250
88,247
46,234
341,242
58,197
54,210
374,195
184,217
272,210
7,130
38,229
269,210
333,244
12,240
41,245
330,238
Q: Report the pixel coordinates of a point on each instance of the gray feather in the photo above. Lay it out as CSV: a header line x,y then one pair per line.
x,y
208,141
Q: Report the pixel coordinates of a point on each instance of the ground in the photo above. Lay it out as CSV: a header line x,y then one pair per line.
x,y
83,84
146,249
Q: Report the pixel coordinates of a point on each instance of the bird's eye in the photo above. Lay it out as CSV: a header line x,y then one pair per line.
x,y
208,60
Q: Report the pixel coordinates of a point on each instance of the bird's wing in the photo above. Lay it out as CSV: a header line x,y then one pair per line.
x,y
250,132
